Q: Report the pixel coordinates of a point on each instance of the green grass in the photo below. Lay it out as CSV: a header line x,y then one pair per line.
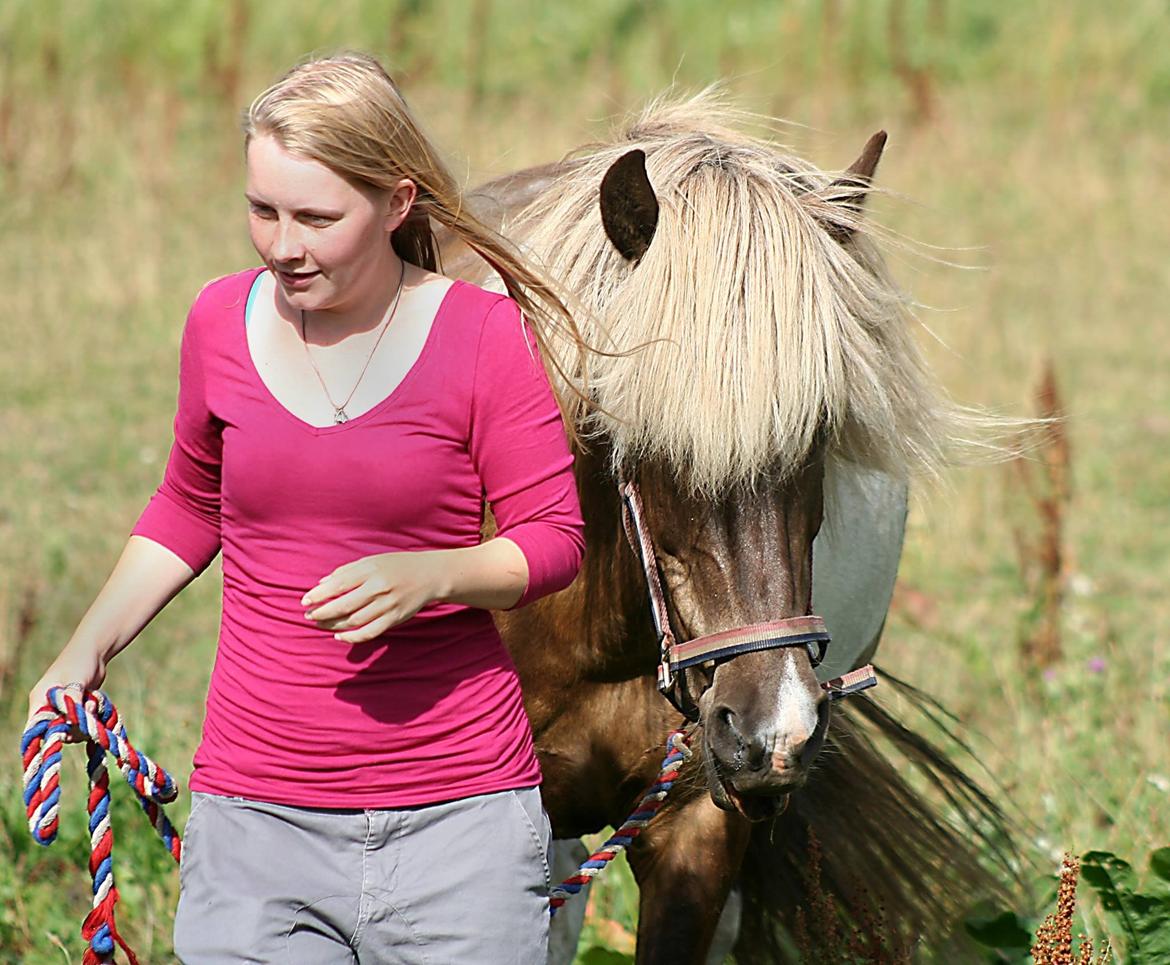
x,y
1042,156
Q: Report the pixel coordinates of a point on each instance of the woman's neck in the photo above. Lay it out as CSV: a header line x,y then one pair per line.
x,y
364,312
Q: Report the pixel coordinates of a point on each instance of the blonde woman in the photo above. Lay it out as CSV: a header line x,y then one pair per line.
x,y
366,787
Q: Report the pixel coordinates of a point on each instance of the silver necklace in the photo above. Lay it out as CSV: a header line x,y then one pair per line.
x,y
339,413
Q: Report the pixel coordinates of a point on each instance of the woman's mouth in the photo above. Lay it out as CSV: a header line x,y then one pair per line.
x,y
296,279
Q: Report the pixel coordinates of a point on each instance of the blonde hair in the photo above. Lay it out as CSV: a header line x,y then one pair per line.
x,y
760,334
346,112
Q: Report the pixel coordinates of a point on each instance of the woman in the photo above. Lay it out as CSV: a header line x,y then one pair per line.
x,y
366,785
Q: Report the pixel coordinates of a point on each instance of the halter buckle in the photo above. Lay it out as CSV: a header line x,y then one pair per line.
x,y
665,677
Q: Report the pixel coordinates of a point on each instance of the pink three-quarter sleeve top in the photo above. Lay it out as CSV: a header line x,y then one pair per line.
x,y
430,710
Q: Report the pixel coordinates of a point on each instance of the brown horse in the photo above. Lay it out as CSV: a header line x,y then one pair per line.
x,y
758,352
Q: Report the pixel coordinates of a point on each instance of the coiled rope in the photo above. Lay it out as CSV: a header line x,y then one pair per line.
x,y
678,750
71,715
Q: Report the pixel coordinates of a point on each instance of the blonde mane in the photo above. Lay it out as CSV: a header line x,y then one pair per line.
x,y
760,334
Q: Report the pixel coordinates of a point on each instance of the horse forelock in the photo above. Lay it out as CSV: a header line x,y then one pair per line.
x,y
754,332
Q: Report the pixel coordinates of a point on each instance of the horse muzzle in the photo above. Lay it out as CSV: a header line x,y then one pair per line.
x,y
753,773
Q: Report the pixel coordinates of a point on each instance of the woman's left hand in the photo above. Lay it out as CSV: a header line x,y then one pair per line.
x,y
365,598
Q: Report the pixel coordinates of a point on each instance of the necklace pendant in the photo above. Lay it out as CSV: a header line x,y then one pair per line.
x,y
339,416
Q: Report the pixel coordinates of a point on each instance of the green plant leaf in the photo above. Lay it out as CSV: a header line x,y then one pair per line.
x,y
1143,920
1160,871
1110,876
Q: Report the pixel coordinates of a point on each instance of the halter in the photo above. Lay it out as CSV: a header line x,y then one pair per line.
x,y
807,631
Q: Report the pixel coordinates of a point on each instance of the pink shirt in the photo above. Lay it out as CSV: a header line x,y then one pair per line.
x,y
431,710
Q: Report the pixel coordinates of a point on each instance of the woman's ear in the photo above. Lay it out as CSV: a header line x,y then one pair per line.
x,y
401,201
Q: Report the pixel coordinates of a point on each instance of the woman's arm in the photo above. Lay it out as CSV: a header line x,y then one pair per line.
x,y
492,575
362,599
519,448
175,538
145,579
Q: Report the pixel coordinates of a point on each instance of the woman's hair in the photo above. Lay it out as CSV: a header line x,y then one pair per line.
x,y
346,113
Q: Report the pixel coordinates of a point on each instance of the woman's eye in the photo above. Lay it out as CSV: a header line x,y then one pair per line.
x,y
318,220
260,211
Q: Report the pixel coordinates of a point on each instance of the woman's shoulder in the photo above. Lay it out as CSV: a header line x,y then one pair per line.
x,y
226,292
218,305
479,318
486,310
498,333
475,298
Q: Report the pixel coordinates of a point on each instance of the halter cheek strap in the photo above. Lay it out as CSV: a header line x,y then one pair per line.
x,y
807,631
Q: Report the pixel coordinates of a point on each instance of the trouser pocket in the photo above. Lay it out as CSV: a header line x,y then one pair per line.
x,y
531,813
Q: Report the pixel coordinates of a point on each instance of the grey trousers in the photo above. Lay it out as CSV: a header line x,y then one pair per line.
x,y
462,881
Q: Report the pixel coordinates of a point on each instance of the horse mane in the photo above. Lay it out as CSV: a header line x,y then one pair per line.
x,y
747,334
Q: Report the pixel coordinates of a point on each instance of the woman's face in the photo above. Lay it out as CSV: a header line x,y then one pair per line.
x,y
326,241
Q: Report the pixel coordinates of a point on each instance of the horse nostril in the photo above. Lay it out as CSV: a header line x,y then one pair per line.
x,y
726,717
748,748
729,728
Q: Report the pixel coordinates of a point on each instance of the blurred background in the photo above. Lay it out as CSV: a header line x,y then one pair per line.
x,y
1029,158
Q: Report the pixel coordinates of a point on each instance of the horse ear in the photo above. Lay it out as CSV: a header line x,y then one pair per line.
x,y
849,191
629,207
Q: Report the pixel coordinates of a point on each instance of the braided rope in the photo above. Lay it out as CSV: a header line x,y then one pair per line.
x,y
677,750
71,715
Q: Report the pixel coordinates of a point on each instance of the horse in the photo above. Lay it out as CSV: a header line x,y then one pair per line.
x,y
759,404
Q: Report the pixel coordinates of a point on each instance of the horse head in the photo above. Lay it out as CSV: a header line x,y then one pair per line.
x,y
740,561
755,336
728,566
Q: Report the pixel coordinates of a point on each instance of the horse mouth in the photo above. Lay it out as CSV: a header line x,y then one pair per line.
x,y
756,807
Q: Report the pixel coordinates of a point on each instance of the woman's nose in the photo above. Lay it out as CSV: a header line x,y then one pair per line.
x,y
286,243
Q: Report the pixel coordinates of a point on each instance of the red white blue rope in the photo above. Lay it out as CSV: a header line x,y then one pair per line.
x,y
72,715
677,751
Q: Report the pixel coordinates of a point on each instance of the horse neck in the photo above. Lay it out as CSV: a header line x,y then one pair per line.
x,y
496,201
613,604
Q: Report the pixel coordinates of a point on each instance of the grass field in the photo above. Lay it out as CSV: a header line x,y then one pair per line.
x,y
1029,143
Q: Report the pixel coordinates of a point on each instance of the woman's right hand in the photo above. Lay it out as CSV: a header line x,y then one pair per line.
x,y
86,669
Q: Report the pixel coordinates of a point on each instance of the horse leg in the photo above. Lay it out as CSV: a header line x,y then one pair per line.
x,y
685,863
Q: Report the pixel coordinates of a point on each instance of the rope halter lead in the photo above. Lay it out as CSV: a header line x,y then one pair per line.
x,y
678,751
807,631
71,714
